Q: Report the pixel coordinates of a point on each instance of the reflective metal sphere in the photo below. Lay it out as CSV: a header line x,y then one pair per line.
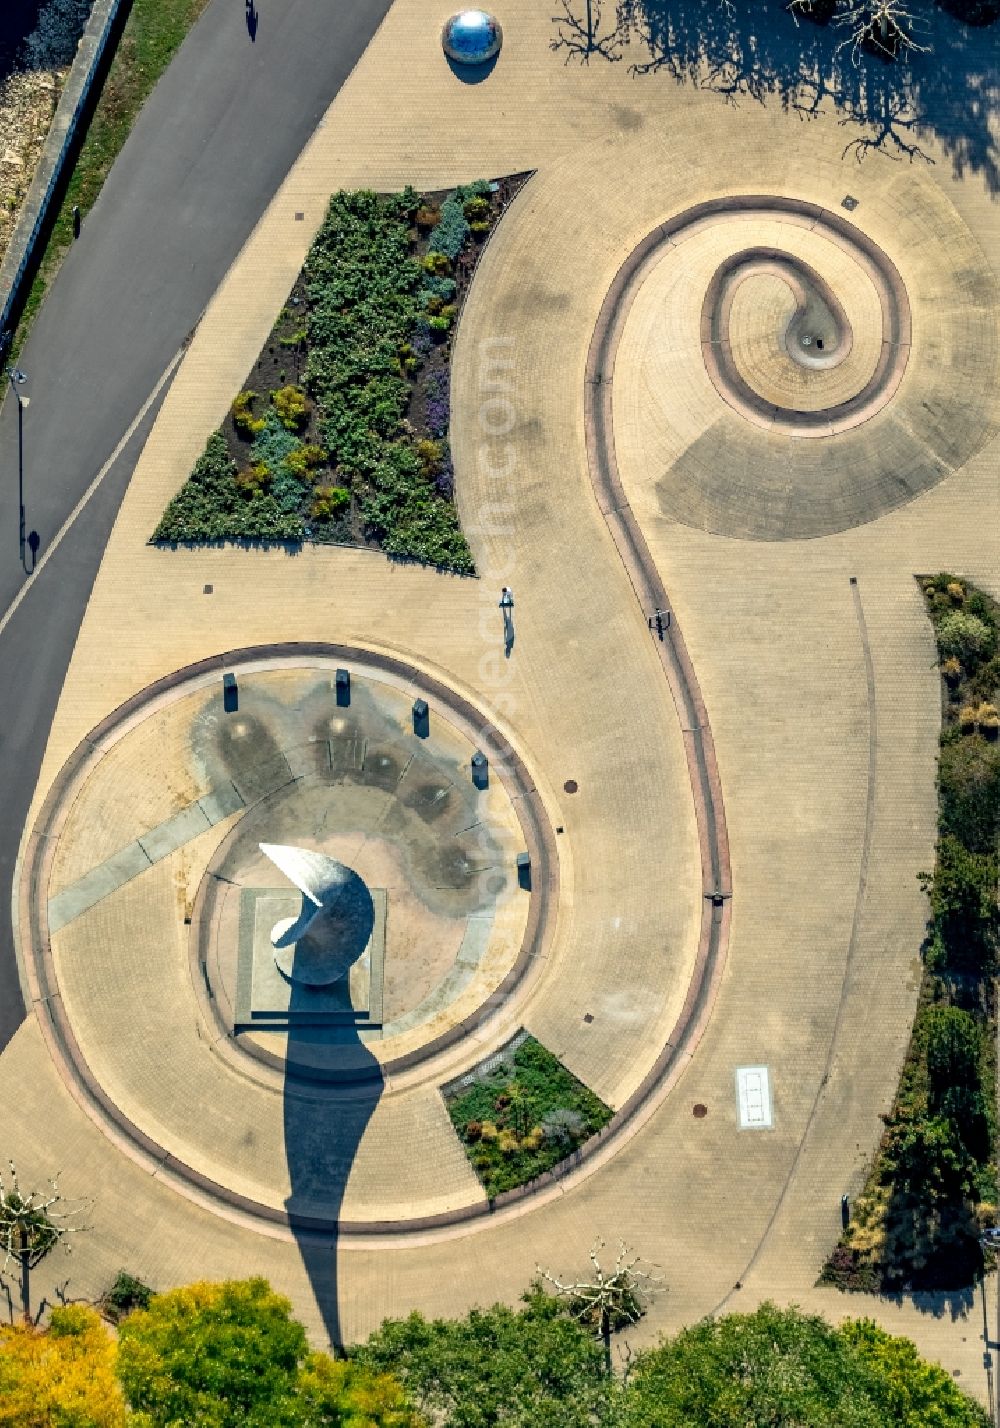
x,y
472,37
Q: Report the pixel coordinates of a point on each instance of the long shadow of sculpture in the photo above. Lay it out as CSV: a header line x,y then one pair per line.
x,y
948,89
324,1122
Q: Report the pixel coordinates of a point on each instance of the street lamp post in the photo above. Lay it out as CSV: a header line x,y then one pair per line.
x,y
17,378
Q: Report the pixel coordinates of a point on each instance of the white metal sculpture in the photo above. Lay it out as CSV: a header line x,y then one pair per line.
x,y
335,923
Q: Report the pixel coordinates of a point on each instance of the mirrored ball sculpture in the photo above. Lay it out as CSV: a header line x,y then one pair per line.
x,y
335,924
472,37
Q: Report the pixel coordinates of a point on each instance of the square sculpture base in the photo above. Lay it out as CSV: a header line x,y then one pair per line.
x,y
267,1000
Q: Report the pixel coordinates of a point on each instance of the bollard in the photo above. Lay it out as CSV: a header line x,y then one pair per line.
x,y
421,718
524,871
480,770
342,684
230,694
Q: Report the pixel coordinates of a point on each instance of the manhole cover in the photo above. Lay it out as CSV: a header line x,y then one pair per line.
x,y
699,1111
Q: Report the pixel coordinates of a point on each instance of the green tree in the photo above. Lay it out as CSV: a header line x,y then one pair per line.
x,y
213,1355
519,1369
954,1046
969,783
62,1377
910,1392
963,897
932,1163
334,1393
781,1367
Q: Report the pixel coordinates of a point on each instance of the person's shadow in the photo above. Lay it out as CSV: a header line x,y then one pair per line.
x,y
253,19
508,633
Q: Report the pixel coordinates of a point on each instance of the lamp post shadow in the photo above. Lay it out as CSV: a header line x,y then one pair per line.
x,y
507,607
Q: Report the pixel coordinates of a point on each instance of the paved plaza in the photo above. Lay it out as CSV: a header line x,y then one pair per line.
x,y
715,735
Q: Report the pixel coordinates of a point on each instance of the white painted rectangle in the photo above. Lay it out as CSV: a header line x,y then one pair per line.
x,y
753,1096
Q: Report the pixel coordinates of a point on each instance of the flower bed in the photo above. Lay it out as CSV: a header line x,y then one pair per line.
x,y
341,432
933,1185
522,1114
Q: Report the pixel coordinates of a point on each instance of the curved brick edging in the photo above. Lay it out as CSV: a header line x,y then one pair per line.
x,y
713,844
715,341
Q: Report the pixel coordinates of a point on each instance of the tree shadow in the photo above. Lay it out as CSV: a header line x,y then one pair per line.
x,y
750,49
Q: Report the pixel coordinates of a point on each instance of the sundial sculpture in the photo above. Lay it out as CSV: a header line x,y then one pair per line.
x,y
334,925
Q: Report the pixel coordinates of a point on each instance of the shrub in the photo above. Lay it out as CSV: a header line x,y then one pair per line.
x,y
211,507
963,896
436,264
967,716
986,683
965,637
254,478
953,1049
431,455
529,1112
242,413
292,407
969,785
273,445
451,231
477,209
436,286
329,501
302,460
126,1293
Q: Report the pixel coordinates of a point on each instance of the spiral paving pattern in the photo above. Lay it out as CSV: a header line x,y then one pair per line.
x,y
797,410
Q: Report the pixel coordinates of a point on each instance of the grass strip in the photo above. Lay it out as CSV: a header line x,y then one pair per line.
x,y
152,36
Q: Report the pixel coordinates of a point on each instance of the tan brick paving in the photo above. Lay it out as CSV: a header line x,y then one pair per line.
x,y
773,634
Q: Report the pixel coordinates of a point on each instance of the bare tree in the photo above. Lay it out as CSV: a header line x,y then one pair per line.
x,y
609,1300
883,25
31,1224
581,37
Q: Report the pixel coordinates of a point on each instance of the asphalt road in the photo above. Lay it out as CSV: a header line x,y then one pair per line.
x,y
208,152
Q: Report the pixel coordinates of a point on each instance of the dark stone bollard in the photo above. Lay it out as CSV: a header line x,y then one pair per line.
x,y
421,718
342,684
524,871
480,770
230,694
